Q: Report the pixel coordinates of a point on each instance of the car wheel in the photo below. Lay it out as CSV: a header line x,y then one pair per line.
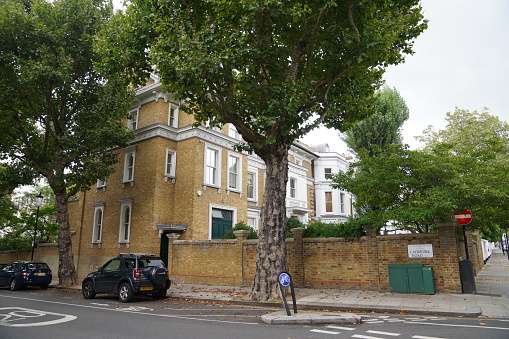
x,y
15,285
88,290
159,294
125,294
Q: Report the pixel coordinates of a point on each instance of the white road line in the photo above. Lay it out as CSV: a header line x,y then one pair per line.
x,y
374,322
342,328
423,337
364,336
324,332
114,310
384,333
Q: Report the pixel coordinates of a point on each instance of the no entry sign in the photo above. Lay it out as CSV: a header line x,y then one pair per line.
x,y
464,216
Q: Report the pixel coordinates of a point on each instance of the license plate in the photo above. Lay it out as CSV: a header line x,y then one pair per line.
x,y
145,288
41,274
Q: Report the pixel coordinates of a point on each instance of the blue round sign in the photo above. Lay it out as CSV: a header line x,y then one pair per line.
x,y
284,279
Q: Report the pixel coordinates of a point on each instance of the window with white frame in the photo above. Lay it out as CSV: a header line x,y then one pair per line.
x,y
328,173
125,222
234,172
212,166
342,202
298,161
132,121
171,160
293,188
101,183
232,132
252,222
98,224
129,165
252,182
328,202
173,115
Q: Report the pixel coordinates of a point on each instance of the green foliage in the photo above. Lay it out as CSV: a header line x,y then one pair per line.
x,y
350,229
238,227
384,127
20,222
464,167
59,115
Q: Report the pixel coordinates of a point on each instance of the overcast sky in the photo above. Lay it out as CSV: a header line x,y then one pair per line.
x,y
461,60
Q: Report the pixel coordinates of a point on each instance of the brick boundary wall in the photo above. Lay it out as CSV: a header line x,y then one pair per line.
x,y
313,262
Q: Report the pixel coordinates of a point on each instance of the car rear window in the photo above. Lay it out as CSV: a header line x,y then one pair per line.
x,y
37,266
145,262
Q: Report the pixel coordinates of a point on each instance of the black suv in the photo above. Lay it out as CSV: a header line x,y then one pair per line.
x,y
128,275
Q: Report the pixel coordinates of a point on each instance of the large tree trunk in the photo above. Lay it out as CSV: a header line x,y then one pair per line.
x,y
271,254
66,270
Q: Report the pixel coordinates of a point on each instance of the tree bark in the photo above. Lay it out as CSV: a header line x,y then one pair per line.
x,y
271,250
66,271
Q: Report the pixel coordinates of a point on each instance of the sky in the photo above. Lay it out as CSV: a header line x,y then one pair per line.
x,y
461,60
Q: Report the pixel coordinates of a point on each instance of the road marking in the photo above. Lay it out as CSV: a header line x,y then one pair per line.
x,y
384,333
364,336
457,325
342,328
324,332
423,337
18,317
135,309
143,313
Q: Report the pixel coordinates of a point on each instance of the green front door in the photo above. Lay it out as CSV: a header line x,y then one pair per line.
x,y
222,221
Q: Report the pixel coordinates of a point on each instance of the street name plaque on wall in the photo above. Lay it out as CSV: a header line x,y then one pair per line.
x,y
420,251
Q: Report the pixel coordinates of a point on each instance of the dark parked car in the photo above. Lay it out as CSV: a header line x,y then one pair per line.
x,y
128,275
2,265
19,274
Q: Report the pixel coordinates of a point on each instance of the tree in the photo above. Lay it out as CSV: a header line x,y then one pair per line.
x,y
382,128
275,69
12,176
19,227
465,167
59,116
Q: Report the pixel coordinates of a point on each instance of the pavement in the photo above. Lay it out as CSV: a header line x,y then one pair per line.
x,y
334,306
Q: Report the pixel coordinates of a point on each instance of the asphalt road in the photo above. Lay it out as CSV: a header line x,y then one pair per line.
x,y
54,313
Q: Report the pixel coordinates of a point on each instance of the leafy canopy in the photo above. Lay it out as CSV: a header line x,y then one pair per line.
x,y
274,69
465,167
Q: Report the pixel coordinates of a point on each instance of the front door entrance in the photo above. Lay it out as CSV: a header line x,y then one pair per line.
x,y
222,221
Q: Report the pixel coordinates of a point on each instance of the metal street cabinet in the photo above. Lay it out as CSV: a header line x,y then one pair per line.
x,y
411,278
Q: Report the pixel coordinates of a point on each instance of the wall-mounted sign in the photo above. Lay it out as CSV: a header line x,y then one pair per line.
x,y
420,251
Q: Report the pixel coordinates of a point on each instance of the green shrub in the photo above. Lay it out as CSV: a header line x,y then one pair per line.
x,y
350,229
238,227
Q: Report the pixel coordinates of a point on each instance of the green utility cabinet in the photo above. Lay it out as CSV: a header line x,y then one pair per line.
x,y
411,278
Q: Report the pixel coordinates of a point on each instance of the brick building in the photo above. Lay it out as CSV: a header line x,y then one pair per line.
x,y
189,182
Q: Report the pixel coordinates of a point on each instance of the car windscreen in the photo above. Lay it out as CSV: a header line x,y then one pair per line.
x,y
37,266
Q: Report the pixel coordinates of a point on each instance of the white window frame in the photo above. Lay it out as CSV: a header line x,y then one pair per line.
x,y
342,203
171,162
292,182
215,180
133,123
253,219
128,171
253,187
173,118
235,177
98,225
232,132
328,173
298,161
101,183
122,239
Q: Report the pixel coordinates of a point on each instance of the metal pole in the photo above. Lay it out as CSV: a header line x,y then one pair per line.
x,y
35,232
465,237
